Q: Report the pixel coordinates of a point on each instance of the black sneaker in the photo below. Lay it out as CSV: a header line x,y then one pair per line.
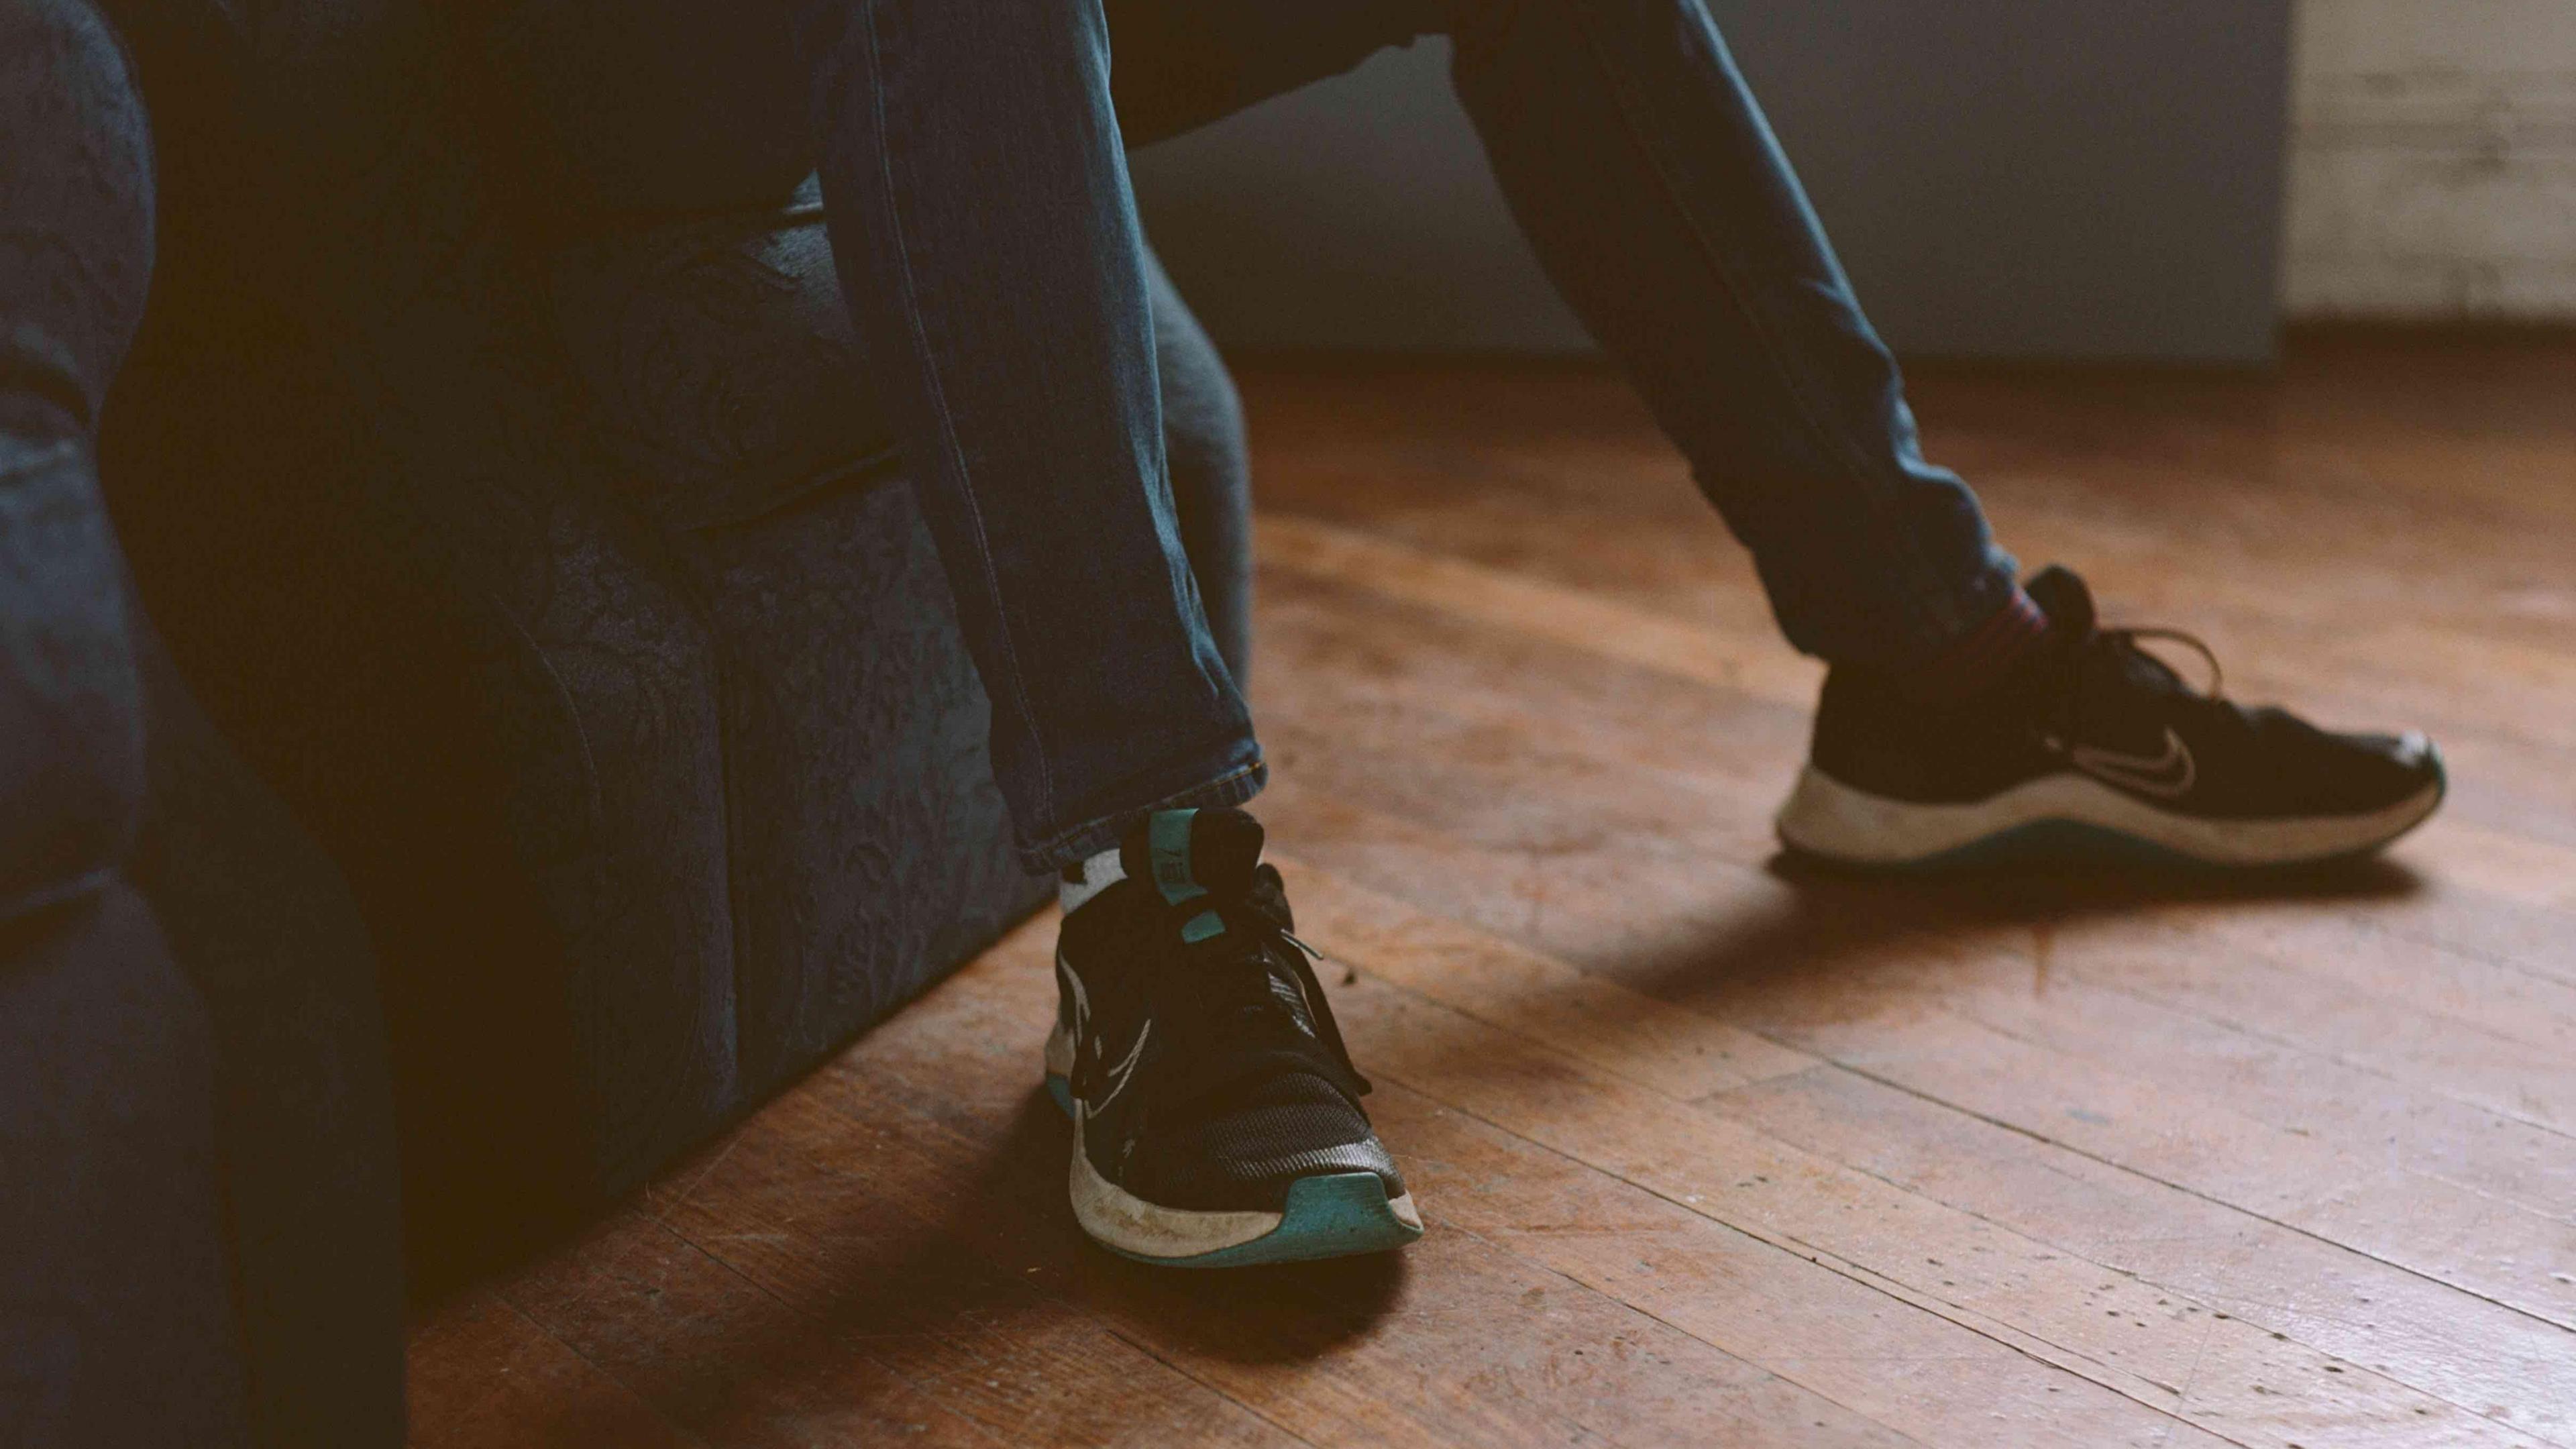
x,y
1216,1115
2096,732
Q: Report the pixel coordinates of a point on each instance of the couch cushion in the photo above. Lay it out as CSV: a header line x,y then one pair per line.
x,y
116,1321
71,738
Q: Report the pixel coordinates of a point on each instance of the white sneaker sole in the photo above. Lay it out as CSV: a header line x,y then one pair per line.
x,y
1331,1216
1824,817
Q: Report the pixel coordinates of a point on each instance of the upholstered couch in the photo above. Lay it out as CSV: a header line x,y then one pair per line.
x,y
533,548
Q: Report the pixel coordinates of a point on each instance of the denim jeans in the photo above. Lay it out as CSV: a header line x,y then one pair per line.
x,y
972,155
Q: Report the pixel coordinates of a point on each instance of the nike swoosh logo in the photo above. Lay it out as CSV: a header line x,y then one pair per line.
x,y
1081,998
1126,1068
1122,1073
2166,776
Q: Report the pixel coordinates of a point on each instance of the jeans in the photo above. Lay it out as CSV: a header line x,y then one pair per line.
x,y
973,158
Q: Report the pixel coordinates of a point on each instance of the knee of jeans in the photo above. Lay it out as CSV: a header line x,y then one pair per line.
x,y
75,193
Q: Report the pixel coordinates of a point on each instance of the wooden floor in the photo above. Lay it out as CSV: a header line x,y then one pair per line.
x,y
1713,1151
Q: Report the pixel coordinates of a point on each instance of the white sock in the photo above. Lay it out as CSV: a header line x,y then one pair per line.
x,y
1090,878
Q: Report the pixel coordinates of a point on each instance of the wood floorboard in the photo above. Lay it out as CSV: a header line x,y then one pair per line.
x,y
482,1373
2413,1329
2193,983
1459,964
1687,1054
1469,693
1876,1003
1743,658
1793,1322
907,1132
2405,1037
1714,1148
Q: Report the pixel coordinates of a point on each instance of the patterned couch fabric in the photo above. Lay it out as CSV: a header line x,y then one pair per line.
x,y
559,573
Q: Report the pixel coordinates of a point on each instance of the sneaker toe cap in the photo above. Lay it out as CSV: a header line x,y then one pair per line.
x,y
2298,769
2389,767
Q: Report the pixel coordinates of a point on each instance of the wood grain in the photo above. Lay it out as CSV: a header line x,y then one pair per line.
x,y
1715,1149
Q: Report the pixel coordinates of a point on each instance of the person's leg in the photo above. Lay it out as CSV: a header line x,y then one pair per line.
x,y
987,242
1641,168
1645,176
1960,706
986,239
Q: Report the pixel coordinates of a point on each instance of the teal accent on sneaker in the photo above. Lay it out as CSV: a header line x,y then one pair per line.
x,y
1167,845
1340,1215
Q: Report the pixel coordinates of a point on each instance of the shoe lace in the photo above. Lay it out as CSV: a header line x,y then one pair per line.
x,y
2127,639
2126,644
1224,985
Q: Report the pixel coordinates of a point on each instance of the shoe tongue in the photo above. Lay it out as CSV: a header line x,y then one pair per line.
x,y
2066,656
1187,854
2107,680
2065,600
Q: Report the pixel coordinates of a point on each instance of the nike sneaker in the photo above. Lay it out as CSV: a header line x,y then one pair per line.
x,y
2098,733
1216,1114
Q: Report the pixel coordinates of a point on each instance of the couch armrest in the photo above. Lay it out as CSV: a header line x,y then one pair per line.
x,y
116,1317
71,724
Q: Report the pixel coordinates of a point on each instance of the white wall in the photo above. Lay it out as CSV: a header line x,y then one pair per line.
x,y
2433,160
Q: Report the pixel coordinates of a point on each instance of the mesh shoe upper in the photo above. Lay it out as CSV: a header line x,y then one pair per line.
x,y
1244,1152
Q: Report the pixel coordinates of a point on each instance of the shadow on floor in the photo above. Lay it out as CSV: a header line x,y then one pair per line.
x,y
1831,919
1287,1313
966,1252
934,1231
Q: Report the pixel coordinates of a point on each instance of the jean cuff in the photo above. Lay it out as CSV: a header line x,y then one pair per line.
x,y
1231,786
